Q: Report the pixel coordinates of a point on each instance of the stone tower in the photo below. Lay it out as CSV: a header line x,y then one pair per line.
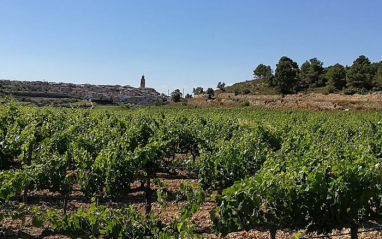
x,y
143,83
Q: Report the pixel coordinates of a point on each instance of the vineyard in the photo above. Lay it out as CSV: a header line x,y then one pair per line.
x,y
155,172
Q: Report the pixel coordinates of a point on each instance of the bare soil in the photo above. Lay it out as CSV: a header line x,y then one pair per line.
x,y
313,101
201,219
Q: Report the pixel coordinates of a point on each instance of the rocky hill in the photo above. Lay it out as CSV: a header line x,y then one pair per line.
x,y
112,93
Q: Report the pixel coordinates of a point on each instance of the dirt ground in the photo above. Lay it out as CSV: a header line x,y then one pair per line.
x,y
313,101
201,219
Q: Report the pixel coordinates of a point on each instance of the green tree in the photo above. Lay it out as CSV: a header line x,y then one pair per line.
x,y
188,96
311,73
304,70
210,93
262,72
286,75
198,90
221,86
336,76
378,78
358,75
373,69
176,95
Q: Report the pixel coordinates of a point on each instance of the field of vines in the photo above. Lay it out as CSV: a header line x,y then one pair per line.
x,y
182,172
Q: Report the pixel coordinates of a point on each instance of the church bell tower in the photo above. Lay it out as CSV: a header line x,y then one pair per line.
x,y
143,81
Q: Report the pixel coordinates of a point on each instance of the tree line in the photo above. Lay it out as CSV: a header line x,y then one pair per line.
x,y
361,77
176,95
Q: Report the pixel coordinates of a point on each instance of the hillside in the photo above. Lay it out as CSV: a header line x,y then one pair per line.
x,y
69,92
309,101
252,87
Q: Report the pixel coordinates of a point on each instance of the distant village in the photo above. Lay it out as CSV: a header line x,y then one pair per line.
x,y
114,93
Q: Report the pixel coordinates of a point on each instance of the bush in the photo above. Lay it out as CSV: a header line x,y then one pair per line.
x,y
158,103
244,103
124,107
184,102
350,91
329,89
246,92
362,91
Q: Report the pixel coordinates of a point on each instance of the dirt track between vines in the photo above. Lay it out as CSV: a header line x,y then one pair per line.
x,y
201,219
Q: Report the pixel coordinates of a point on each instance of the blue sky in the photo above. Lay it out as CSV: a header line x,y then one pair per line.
x,y
179,43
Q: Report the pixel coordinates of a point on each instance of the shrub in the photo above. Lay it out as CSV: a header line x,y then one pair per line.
x,y
350,91
246,92
158,103
329,89
244,103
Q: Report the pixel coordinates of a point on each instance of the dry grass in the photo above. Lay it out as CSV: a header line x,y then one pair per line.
x,y
312,102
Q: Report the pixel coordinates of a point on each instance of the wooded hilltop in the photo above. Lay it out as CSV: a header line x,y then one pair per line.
x,y
361,77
